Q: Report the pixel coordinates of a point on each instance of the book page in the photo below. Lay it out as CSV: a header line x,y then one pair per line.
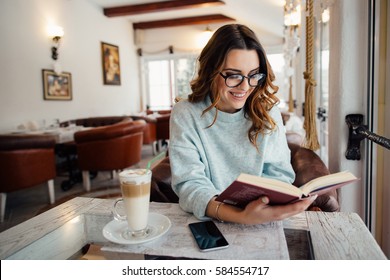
x,y
328,181
269,183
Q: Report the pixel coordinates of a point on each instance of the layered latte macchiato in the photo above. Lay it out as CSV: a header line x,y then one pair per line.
x,y
135,187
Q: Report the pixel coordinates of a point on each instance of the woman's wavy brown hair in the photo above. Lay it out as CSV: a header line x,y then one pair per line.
x,y
211,62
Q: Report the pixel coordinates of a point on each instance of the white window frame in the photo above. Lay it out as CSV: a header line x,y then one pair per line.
x,y
173,58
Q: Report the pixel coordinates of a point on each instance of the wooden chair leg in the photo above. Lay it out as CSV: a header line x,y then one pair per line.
x,y
3,198
86,181
155,147
114,174
50,185
159,144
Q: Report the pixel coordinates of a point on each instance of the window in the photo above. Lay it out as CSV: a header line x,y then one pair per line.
x,y
167,78
160,83
277,62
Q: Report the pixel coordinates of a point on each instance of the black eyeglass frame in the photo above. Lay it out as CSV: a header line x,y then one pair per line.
x,y
259,81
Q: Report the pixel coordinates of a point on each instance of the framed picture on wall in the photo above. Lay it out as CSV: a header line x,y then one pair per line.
x,y
111,66
56,86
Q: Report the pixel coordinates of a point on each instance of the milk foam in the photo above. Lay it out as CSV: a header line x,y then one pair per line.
x,y
135,176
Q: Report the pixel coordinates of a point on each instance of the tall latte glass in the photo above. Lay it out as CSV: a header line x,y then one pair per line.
x,y
135,187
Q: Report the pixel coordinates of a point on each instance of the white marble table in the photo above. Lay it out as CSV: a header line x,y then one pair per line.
x,y
61,232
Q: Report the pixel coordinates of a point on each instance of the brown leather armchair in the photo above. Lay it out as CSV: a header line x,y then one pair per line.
x,y
306,164
162,127
109,148
26,161
156,130
150,129
162,132
68,150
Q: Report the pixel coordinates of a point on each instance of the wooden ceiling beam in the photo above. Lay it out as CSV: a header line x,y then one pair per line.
x,y
159,7
208,19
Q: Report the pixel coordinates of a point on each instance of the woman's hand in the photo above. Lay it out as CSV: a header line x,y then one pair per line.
x,y
257,211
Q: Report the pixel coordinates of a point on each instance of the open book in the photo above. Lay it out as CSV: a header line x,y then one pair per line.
x,y
250,187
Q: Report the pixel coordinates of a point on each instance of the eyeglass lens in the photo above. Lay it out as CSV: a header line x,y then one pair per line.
x,y
237,79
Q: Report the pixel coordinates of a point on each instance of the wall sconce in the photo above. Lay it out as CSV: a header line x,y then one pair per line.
x,y
56,33
292,13
325,16
204,37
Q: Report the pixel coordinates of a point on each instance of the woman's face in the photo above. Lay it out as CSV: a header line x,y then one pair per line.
x,y
243,62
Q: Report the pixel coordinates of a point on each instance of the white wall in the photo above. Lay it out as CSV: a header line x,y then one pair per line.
x,y
25,51
347,91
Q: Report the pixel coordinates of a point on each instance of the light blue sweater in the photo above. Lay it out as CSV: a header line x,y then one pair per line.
x,y
205,161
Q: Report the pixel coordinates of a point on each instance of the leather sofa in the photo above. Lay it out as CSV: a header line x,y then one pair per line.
x,y
160,112
306,164
95,121
149,133
109,148
26,161
156,128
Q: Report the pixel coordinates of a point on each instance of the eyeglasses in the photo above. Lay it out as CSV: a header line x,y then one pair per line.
x,y
235,80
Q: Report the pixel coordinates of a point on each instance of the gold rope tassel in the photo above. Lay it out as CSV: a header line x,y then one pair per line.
x,y
310,126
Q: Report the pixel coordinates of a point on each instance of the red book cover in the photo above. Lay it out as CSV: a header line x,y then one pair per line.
x,y
240,194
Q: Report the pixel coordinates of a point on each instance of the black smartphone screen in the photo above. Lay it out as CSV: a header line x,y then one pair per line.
x,y
207,236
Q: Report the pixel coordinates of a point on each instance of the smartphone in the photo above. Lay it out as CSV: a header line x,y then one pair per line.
x,y
207,236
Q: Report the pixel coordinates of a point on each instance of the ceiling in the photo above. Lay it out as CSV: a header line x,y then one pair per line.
x,y
265,17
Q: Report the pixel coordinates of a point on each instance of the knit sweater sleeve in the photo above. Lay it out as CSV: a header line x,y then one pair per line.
x,y
190,180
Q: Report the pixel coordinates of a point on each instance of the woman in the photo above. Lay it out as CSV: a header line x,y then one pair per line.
x,y
230,125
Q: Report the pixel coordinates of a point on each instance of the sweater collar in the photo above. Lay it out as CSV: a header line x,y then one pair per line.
x,y
223,116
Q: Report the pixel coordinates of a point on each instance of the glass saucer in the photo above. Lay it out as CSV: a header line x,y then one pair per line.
x,y
158,225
